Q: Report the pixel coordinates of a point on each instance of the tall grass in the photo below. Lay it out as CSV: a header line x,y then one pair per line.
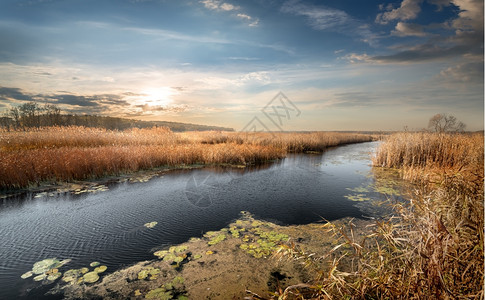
x,y
432,248
76,153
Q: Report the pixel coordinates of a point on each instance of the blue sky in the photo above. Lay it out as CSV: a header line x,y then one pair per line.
x,y
345,65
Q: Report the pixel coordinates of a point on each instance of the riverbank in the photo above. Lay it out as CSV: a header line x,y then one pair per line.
x,y
57,155
232,263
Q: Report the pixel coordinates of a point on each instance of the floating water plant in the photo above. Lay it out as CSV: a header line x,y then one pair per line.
x,y
359,189
94,264
196,256
143,274
27,275
100,269
45,265
54,276
161,253
151,224
160,294
71,275
357,197
91,277
209,252
217,239
40,277
84,270
46,269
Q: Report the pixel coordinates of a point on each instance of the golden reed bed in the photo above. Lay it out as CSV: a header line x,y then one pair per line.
x,y
76,153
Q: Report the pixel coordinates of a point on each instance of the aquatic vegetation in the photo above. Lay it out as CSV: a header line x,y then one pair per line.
x,y
40,277
170,290
84,270
45,265
196,256
90,277
359,189
94,264
100,269
46,269
217,239
159,293
357,197
235,231
169,257
209,252
54,276
137,293
27,275
71,275
149,271
151,224
161,253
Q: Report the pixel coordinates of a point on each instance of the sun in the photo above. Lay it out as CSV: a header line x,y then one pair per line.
x,y
157,96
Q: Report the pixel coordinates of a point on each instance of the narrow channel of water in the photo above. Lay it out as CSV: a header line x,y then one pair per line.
x,y
107,226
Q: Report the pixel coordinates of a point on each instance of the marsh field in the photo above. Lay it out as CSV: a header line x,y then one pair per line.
x,y
90,213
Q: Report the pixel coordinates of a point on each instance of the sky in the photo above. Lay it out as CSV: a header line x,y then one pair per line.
x,y
250,65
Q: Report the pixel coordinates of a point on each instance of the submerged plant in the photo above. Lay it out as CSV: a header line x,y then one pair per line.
x,y
151,224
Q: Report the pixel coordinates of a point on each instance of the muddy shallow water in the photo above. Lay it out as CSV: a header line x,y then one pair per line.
x,y
105,223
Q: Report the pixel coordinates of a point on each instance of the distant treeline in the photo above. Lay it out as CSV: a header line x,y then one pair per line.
x,y
31,115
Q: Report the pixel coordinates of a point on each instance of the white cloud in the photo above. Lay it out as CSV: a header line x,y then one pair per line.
x,y
465,72
228,7
470,16
408,29
408,10
219,5
254,22
244,16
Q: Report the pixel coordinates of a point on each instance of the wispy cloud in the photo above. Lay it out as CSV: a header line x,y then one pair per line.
x,y
319,18
172,35
408,10
219,5
330,19
253,22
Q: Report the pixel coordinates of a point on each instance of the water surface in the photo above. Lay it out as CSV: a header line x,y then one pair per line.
x,y
108,226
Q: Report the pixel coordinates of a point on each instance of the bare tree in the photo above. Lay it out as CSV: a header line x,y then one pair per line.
x,y
445,123
15,115
52,115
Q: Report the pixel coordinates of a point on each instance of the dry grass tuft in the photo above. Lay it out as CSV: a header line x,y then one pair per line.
x,y
76,153
433,247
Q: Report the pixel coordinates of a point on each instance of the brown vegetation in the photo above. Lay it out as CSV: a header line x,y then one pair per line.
x,y
433,247
76,153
